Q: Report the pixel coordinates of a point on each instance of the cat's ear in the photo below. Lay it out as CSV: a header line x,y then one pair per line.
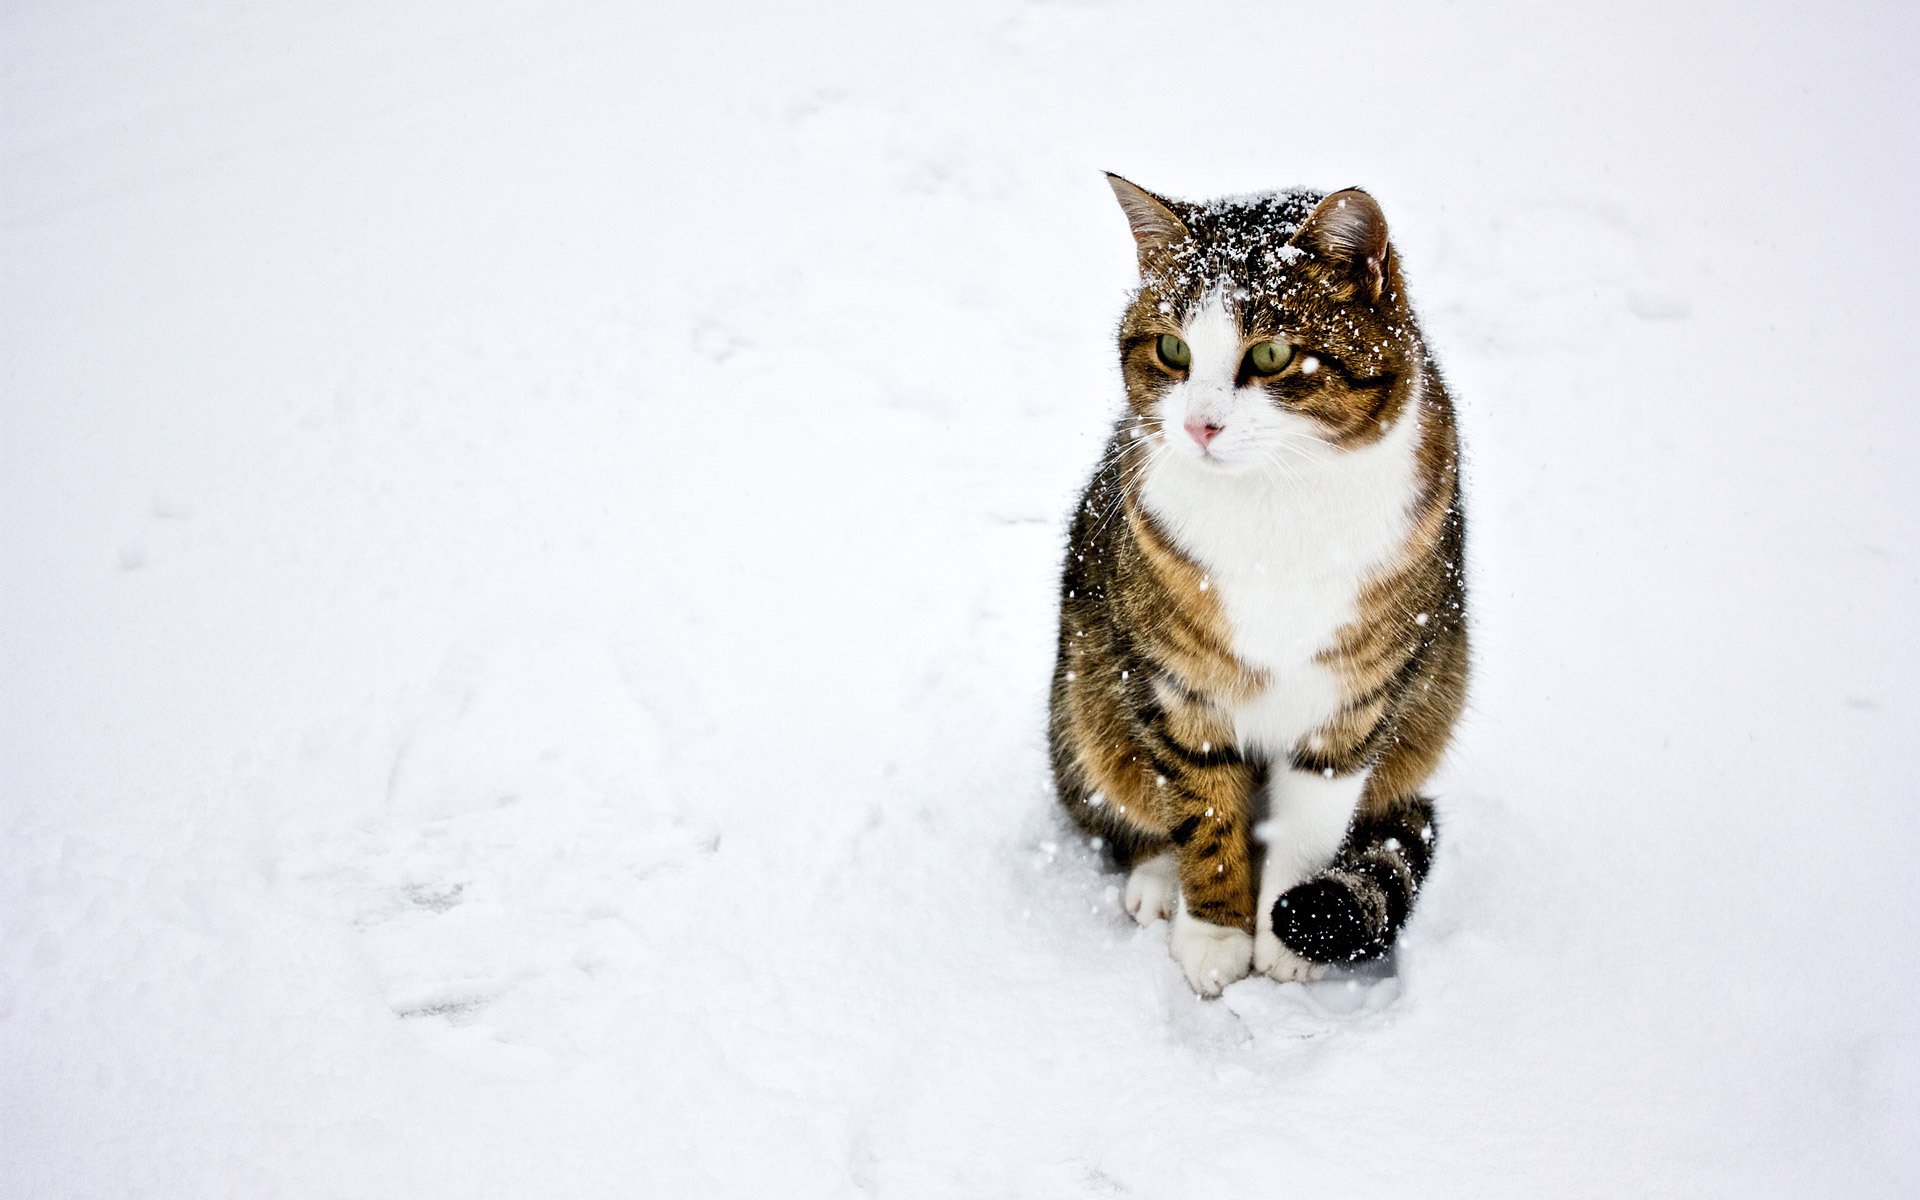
x,y
1155,225
1348,231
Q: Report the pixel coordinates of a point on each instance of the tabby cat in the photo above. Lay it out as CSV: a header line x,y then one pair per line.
x,y
1263,641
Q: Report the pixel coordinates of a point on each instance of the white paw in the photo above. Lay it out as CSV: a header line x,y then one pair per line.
x,y
1152,888
1272,959
1211,956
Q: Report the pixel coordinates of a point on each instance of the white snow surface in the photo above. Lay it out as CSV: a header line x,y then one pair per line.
x,y
527,552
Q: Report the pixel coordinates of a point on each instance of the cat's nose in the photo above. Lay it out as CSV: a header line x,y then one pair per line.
x,y
1203,432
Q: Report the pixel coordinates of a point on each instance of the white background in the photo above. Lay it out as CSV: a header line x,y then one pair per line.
x,y
527,549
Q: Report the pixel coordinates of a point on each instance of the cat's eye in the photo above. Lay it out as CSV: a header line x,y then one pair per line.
x,y
1269,358
1174,352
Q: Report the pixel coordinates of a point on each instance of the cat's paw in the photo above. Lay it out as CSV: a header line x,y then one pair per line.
x,y
1210,956
1272,958
1153,889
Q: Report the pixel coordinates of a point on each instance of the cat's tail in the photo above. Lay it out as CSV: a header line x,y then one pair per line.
x,y
1353,910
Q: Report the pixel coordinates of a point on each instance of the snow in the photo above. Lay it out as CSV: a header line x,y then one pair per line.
x,y
527,547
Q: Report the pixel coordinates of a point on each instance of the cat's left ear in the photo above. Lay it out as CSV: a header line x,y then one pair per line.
x,y
1155,225
1348,231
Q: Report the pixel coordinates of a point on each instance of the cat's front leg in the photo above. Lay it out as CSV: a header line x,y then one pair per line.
x,y
1210,806
1210,956
1311,811
1153,888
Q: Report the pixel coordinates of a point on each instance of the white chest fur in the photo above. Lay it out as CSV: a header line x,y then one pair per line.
x,y
1286,550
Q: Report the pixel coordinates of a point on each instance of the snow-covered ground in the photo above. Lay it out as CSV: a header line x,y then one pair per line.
x,y
527,541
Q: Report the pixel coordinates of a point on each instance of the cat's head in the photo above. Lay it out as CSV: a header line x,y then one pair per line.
x,y
1265,327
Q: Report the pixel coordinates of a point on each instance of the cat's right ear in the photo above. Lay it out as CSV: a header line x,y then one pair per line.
x,y
1155,225
1348,230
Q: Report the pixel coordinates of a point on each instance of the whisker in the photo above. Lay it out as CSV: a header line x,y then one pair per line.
x,y
1297,443
1125,474
1124,487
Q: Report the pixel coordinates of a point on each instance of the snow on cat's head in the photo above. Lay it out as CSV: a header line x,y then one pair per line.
x,y
1267,330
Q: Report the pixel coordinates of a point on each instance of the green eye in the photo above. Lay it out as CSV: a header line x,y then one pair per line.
x,y
1269,358
1174,352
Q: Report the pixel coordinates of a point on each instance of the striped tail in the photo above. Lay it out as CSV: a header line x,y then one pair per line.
x,y
1353,910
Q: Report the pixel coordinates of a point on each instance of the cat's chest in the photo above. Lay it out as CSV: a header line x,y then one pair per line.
x,y
1284,599
1286,565
1284,602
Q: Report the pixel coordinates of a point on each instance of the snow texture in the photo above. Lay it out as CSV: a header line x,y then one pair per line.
x,y
527,552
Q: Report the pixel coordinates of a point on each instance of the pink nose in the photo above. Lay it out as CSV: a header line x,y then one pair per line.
x,y
1202,432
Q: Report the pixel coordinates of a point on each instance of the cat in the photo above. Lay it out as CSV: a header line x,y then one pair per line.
x,y
1263,634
